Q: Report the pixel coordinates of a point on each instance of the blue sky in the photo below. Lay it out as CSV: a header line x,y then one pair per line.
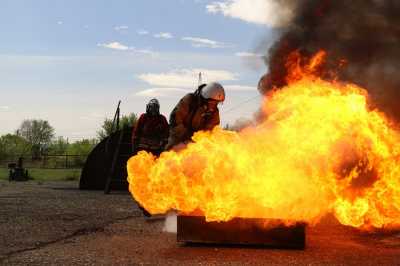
x,y
70,61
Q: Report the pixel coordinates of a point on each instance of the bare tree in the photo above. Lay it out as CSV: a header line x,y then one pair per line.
x,y
38,133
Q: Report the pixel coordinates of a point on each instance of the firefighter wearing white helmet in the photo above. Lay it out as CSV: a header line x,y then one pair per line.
x,y
194,112
213,91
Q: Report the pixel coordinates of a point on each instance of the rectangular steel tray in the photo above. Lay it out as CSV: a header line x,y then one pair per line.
x,y
241,231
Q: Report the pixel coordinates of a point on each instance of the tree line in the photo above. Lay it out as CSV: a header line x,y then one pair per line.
x,y
36,137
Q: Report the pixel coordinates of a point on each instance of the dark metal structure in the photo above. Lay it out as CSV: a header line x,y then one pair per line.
x,y
121,154
105,167
17,172
96,170
241,231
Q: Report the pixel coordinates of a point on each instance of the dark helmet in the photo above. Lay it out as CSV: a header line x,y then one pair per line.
x,y
153,107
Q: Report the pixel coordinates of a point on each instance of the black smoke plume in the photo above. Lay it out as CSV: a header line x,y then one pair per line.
x,y
365,33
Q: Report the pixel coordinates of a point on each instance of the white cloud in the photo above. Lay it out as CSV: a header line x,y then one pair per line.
x,y
186,78
201,42
265,12
122,47
60,22
114,45
163,35
239,88
121,28
4,107
144,51
161,92
142,32
248,54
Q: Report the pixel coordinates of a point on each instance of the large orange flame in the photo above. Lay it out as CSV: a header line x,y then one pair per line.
x,y
320,150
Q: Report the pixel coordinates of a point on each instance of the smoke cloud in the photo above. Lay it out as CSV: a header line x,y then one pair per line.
x,y
170,224
363,33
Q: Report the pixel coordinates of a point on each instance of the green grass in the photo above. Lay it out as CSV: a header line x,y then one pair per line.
x,y
47,174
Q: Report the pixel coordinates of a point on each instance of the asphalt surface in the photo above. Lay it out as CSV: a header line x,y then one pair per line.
x,y
54,223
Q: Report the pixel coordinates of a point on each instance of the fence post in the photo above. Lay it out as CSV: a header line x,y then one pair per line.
x,y
66,161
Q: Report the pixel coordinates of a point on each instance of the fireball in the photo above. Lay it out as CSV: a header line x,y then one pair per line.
x,y
320,149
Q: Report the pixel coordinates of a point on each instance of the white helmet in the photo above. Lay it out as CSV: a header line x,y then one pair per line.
x,y
213,91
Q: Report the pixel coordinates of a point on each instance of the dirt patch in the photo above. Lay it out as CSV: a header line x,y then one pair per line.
x,y
56,224
33,215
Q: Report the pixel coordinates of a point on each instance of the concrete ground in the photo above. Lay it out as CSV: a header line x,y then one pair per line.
x,y
54,223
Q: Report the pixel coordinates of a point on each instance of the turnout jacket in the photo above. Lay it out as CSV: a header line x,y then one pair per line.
x,y
190,115
150,133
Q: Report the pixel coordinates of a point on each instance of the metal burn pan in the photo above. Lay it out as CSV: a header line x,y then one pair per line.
x,y
241,231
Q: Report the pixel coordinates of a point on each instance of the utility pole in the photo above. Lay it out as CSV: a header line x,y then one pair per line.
x,y
200,79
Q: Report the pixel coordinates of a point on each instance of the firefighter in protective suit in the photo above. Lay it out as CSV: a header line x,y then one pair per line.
x,y
194,112
151,130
